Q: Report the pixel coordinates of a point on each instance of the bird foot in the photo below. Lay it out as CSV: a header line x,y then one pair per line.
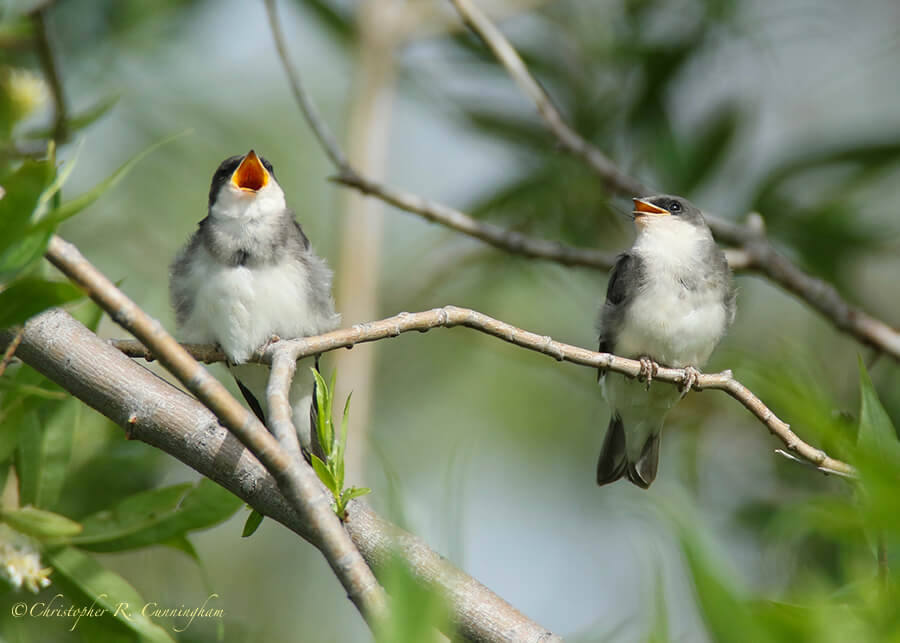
x,y
648,371
274,339
690,378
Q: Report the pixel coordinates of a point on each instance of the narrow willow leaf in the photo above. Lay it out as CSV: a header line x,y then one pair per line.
x,y
40,523
356,492
45,446
157,516
28,296
254,520
78,121
322,420
107,590
23,189
79,203
324,475
876,431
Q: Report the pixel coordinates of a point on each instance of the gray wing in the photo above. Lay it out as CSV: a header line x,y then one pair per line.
x,y
179,294
625,280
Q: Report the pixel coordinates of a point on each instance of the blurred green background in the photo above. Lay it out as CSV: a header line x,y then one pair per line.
x,y
486,451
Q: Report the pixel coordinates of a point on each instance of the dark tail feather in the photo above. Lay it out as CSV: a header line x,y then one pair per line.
x,y
643,472
612,463
252,401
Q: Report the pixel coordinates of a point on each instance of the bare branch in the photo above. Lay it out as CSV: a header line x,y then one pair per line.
x,y
303,100
450,316
758,254
613,178
278,393
51,73
152,410
508,240
298,483
10,351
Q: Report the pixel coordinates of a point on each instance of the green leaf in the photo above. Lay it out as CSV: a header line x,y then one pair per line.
x,y
28,296
354,492
326,438
254,520
29,249
39,523
157,516
416,610
23,190
79,121
342,445
876,431
107,590
45,447
11,421
79,203
324,475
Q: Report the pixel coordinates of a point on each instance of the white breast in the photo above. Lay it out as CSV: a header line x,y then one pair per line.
x,y
241,307
666,321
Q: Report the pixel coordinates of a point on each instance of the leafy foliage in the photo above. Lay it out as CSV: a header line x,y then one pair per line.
x,y
332,444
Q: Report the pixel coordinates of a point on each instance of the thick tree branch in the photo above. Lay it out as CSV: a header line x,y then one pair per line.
x,y
296,479
155,412
757,254
450,316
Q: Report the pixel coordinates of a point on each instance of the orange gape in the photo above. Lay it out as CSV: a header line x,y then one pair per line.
x,y
250,175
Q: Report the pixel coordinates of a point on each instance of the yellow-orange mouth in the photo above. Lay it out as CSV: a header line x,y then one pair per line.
x,y
250,175
645,208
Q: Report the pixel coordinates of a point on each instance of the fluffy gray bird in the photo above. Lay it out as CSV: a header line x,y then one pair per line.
x,y
248,274
669,301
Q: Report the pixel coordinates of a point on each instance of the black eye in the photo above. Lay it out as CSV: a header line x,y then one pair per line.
x,y
674,207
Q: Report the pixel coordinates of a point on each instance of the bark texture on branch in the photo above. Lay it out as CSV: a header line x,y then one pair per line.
x,y
295,477
153,411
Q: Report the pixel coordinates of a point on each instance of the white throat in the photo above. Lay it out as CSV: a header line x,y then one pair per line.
x,y
235,204
671,240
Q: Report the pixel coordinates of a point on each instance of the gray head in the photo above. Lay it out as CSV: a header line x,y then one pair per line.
x,y
254,173
244,187
648,210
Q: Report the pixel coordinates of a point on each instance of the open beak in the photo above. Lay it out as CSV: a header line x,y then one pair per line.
x,y
646,209
250,175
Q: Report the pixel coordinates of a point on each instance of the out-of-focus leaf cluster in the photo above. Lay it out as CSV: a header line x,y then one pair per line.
x,y
844,549
73,484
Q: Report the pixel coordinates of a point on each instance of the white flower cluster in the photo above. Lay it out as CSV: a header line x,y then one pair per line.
x,y
27,91
20,563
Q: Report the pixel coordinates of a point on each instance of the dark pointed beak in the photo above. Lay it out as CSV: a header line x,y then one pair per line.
x,y
251,174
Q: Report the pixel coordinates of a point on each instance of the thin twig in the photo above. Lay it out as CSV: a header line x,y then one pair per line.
x,y
450,316
613,178
51,73
508,240
11,350
306,104
758,253
278,395
298,483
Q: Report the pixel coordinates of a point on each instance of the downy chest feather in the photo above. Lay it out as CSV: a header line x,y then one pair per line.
x,y
678,315
241,307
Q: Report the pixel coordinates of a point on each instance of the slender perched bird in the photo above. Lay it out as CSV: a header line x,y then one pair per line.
x,y
669,301
247,275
